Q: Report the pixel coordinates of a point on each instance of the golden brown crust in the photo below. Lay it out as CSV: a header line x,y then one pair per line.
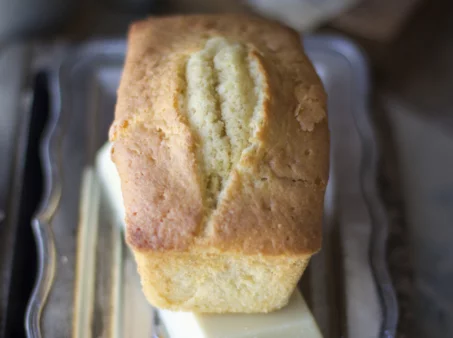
x,y
272,203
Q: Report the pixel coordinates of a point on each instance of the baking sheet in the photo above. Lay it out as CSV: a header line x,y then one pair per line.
x,y
87,284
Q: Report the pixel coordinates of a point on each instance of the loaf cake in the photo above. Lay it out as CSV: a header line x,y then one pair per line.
x,y
221,143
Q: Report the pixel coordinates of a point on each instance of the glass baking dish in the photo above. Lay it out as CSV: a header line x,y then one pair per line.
x,y
87,282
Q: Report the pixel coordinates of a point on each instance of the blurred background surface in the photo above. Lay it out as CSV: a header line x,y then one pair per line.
x,y
409,44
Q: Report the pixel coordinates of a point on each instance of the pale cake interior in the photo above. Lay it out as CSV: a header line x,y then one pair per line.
x,y
224,99
230,282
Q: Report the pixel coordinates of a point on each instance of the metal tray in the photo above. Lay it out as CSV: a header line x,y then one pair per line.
x,y
87,285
